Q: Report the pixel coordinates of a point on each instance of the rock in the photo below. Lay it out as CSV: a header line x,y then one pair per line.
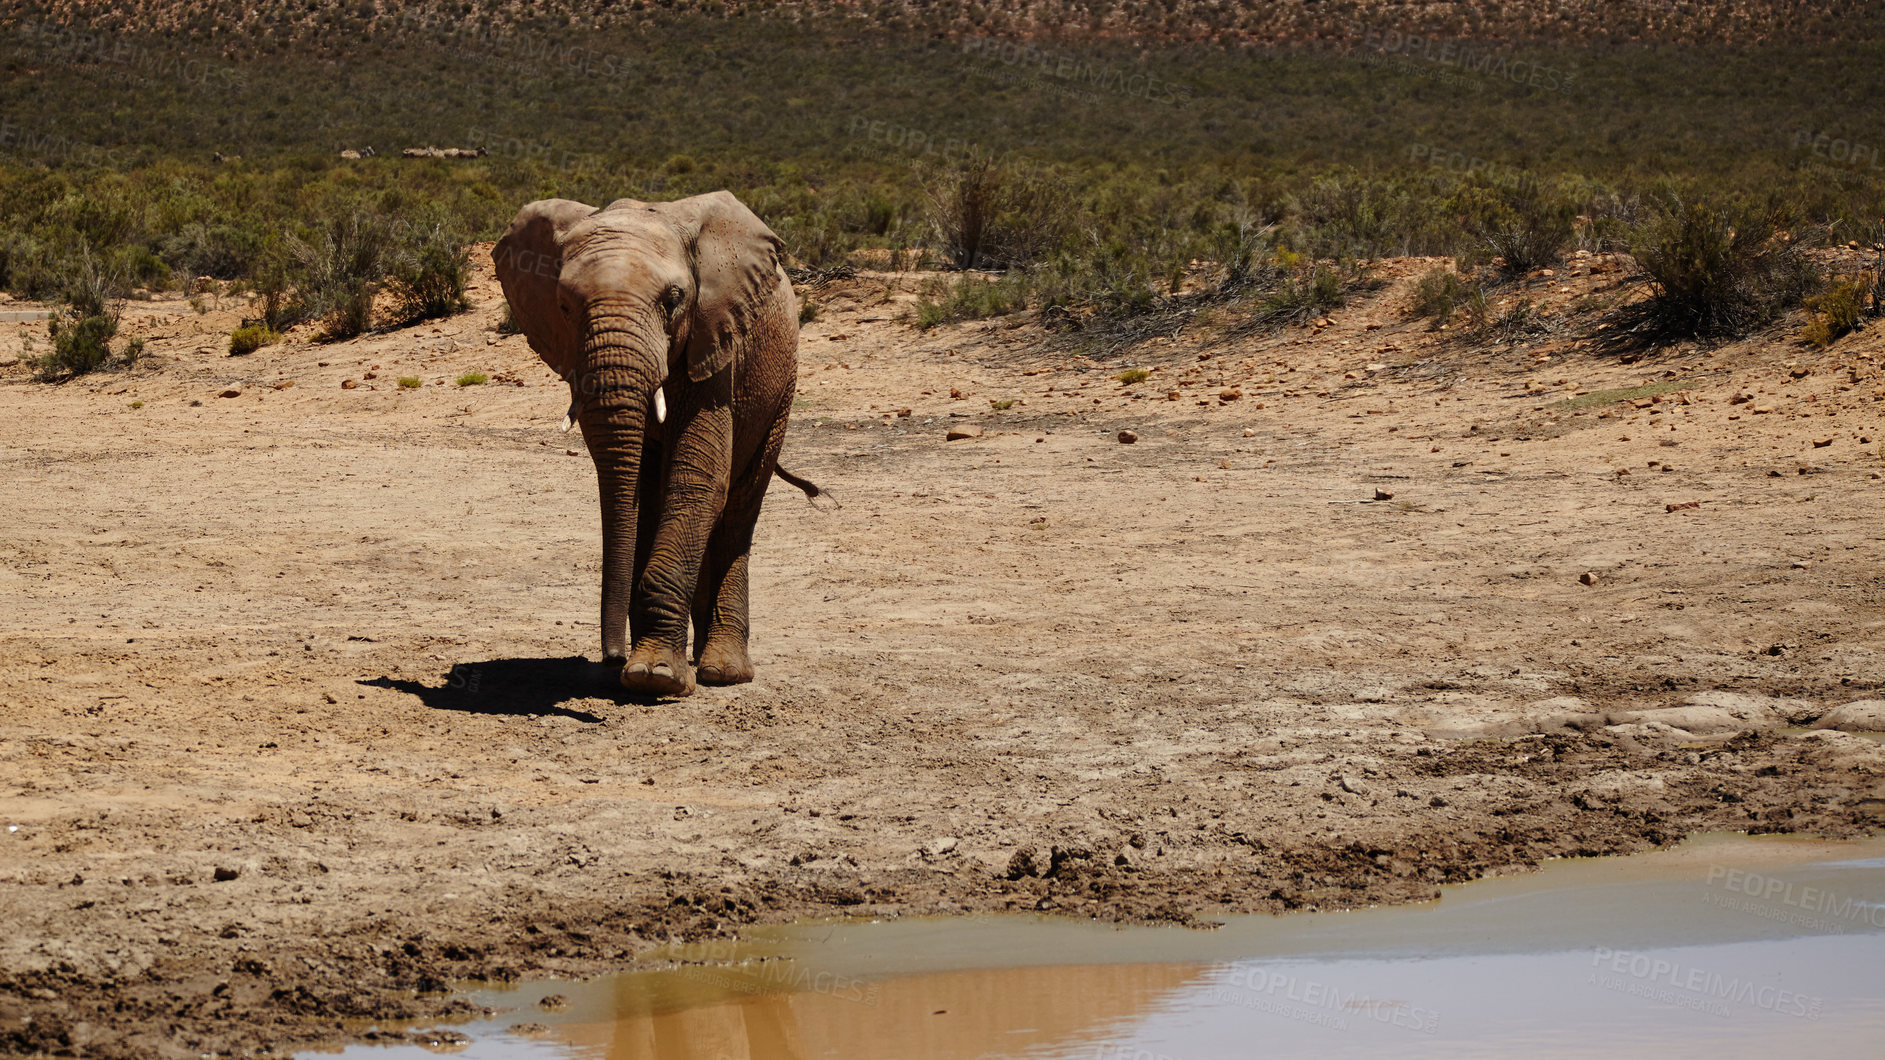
x,y
1022,864
224,874
903,413
1383,495
1821,443
1354,786
1127,437
1589,577
1863,715
1250,432
1706,713
231,392
1229,393
1680,506
961,431
939,846
1436,802
553,1003
348,384
282,384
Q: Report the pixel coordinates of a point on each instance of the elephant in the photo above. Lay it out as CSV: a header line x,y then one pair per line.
x,y
676,328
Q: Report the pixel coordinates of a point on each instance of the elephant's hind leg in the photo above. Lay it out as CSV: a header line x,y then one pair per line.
x,y
721,622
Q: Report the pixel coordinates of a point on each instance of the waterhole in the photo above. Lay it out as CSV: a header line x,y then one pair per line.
x,y
1725,946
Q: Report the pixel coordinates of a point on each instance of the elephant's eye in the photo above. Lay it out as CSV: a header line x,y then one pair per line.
x,y
671,298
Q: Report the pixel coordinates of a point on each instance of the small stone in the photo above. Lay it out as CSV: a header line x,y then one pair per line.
x,y
553,1003
1821,443
903,413
1229,393
1436,802
1676,507
1383,495
961,431
231,392
1250,432
1762,410
940,845
570,452
1587,578
282,384
349,384
224,874
1127,437
1354,786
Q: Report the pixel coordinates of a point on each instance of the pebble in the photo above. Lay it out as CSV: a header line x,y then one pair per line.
x,y
966,430
1354,786
1821,443
1587,578
1383,495
1127,437
348,384
941,845
231,392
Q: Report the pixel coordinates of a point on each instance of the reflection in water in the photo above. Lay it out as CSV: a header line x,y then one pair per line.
x,y
1724,947
1007,1012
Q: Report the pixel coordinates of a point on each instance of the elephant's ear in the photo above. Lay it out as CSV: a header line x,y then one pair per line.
x,y
736,262
529,259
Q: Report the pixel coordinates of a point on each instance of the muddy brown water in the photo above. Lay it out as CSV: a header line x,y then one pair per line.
x,y
1724,946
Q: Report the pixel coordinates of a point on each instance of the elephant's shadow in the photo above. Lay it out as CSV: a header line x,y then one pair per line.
x,y
518,687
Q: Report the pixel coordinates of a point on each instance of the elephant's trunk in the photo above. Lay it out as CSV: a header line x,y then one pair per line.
x,y
615,392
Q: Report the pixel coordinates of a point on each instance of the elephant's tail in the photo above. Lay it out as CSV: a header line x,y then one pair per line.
x,y
812,490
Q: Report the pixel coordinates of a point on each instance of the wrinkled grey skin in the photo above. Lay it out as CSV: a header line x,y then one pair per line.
x,y
687,300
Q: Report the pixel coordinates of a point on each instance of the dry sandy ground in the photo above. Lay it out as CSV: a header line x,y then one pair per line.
x,y
295,718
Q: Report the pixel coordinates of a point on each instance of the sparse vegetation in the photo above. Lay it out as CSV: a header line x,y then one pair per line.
x,y
428,276
1442,292
82,331
1720,271
410,382
1133,375
251,337
1839,310
473,379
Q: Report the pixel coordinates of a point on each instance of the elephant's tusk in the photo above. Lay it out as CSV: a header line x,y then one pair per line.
x,y
569,418
661,406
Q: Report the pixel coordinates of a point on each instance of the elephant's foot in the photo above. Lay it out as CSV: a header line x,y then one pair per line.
x,y
722,665
658,672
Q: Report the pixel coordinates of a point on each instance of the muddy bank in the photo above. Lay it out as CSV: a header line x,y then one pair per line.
x,y
295,724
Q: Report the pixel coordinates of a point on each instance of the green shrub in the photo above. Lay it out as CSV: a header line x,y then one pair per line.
x,y
338,275
251,337
1133,375
1309,291
1521,222
507,324
1722,271
1838,310
428,277
473,379
808,311
986,213
410,382
82,331
1441,292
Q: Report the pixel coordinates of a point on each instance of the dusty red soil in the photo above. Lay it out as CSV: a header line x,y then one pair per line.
x,y
296,725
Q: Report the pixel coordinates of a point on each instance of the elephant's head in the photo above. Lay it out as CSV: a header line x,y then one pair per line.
x,y
628,303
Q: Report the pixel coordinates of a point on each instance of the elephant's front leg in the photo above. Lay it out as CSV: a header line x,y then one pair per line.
x,y
699,460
